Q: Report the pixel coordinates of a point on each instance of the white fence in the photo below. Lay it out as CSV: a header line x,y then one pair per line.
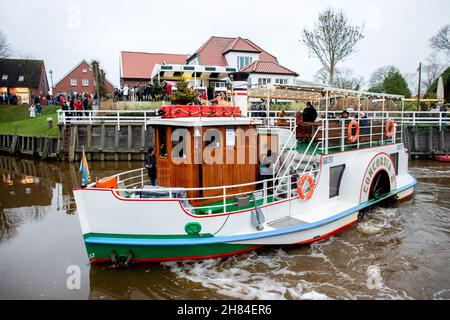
x,y
118,117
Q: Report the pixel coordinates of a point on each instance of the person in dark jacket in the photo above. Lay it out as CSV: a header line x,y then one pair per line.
x,y
150,164
309,114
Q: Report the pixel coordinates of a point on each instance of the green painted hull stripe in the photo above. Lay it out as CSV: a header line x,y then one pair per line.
x,y
166,252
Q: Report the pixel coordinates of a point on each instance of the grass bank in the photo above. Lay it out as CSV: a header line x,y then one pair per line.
x,y
16,120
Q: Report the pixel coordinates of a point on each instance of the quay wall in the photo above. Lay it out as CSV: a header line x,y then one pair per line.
x,y
426,141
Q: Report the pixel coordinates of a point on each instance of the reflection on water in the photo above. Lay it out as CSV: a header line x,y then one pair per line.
x,y
399,252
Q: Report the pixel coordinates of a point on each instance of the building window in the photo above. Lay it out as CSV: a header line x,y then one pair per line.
x,y
84,70
73,82
95,83
281,81
218,84
5,77
264,81
85,83
336,174
242,62
21,78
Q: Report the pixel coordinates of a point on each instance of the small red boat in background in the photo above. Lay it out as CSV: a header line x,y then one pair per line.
x,y
443,158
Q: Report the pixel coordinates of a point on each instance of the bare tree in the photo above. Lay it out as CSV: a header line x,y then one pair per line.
x,y
332,40
432,71
5,47
377,78
322,76
441,41
344,78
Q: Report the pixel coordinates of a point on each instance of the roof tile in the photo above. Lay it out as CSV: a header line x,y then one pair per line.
x,y
139,65
269,67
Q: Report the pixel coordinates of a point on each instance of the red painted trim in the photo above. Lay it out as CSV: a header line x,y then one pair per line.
x,y
181,206
376,172
407,197
208,256
351,224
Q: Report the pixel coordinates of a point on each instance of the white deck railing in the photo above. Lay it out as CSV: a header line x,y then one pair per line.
x,y
118,117
134,184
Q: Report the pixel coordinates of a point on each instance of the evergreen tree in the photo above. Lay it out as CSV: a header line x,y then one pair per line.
x,y
395,83
389,80
184,94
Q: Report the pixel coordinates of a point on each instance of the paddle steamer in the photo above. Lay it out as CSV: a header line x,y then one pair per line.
x,y
209,200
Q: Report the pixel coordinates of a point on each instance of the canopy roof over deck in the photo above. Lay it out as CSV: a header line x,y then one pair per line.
x,y
312,93
190,72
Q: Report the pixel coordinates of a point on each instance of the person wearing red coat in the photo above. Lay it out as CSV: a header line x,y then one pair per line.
x,y
78,106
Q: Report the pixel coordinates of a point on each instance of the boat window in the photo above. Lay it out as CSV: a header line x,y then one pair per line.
x,y
212,138
162,142
176,141
394,158
336,174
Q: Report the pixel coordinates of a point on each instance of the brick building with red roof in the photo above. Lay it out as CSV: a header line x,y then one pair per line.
x,y
136,67
80,79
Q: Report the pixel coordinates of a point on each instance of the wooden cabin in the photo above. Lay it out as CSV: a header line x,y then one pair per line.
x,y
215,152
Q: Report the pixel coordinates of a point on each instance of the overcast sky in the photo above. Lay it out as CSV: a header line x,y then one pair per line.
x,y
65,32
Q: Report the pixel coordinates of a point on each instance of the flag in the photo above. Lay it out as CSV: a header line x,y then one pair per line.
x,y
84,169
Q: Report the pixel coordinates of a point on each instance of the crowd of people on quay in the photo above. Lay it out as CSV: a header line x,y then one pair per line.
x,y
8,99
137,93
77,103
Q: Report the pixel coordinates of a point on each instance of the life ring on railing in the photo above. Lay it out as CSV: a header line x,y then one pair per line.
x,y
353,137
390,128
312,186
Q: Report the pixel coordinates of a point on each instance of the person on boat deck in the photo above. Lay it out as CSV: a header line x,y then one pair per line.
x,y
150,164
345,114
310,113
282,122
364,124
266,170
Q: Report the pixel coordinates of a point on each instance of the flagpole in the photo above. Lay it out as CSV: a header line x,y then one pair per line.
x,y
420,80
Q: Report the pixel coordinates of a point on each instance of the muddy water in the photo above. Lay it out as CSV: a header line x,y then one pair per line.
x,y
398,252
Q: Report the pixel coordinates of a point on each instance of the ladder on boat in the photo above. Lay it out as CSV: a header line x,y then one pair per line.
x,y
293,163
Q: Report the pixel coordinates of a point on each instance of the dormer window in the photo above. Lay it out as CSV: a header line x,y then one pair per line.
x,y
242,62
21,78
5,77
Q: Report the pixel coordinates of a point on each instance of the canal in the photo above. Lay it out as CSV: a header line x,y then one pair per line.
x,y
398,252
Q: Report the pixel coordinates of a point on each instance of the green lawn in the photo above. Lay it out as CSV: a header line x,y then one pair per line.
x,y
16,120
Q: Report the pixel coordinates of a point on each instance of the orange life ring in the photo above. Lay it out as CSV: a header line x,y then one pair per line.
x,y
353,138
390,128
312,186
